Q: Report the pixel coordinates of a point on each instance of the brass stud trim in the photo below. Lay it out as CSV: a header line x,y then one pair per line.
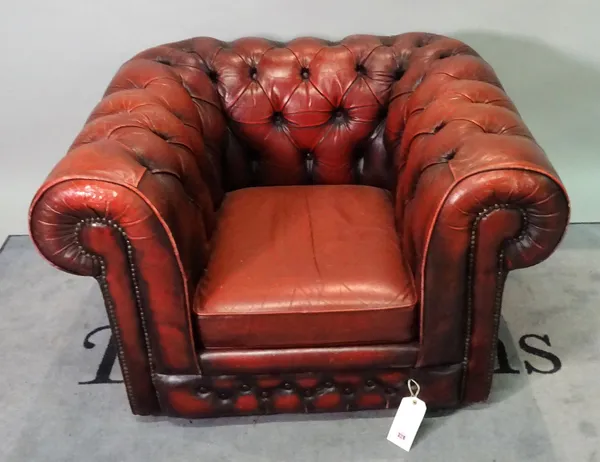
x,y
499,288
110,305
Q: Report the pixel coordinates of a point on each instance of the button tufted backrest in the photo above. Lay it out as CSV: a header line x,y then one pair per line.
x,y
306,111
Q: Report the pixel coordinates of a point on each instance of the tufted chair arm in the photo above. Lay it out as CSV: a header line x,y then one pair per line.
x,y
476,197
133,204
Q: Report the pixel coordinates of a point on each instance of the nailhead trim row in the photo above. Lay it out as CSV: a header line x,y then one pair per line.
x,y
499,287
497,308
109,303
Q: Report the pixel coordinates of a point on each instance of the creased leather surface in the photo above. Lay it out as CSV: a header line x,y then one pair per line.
x,y
283,360
306,266
420,115
309,110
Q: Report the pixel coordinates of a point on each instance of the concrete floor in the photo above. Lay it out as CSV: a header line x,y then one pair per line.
x,y
544,405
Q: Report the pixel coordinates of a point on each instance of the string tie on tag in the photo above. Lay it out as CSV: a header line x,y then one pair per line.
x,y
414,389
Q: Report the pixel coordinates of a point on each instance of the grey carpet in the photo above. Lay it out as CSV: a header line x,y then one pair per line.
x,y
551,326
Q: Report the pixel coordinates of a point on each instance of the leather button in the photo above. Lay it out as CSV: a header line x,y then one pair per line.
x,y
264,394
308,393
328,384
448,155
439,126
245,387
370,383
287,386
390,390
203,390
304,73
277,118
338,113
348,391
398,73
360,69
212,75
253,73
309,156
223,395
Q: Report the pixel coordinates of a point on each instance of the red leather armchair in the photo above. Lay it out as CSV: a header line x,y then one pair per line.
x,y
302,226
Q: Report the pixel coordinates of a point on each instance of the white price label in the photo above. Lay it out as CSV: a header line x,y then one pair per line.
x,y
407,421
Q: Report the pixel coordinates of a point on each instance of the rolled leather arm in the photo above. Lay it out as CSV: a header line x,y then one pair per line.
x,y
132,203
476,197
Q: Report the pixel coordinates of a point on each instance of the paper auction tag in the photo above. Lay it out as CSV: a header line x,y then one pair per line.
x,y
408,419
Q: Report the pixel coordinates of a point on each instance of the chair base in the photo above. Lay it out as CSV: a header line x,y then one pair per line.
x,y
192,396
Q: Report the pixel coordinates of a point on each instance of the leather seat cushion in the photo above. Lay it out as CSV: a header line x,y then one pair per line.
x,y
306,266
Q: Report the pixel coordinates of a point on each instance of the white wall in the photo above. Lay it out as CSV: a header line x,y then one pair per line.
x,y
57,58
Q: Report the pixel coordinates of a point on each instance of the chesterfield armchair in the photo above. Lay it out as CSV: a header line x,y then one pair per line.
x,y
302,226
